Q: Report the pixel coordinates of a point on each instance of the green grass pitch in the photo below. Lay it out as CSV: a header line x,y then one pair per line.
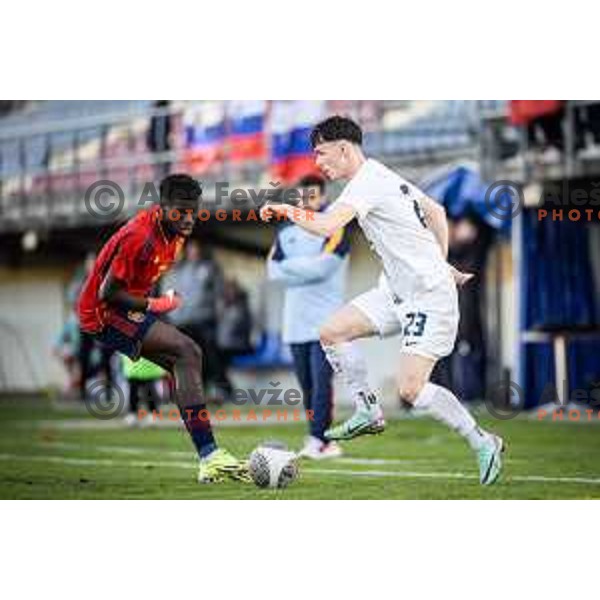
x,y
50,453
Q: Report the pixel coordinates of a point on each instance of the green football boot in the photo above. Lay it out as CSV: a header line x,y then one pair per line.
x,y
490,460
222,465
362,422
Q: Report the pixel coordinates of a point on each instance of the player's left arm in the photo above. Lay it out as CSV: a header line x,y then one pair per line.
x,y
113,293
113,290
435,216
324,224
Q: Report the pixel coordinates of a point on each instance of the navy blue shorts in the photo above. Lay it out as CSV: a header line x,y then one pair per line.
x,y
124,331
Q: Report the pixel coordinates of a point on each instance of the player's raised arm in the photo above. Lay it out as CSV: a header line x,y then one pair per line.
x,y
323,224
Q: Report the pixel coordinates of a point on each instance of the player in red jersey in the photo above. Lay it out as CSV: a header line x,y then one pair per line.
x,y
114,307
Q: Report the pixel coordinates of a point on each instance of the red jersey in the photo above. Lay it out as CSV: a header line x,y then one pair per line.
x,y
137,255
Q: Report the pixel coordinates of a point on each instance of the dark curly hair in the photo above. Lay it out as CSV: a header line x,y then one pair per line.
x,y
179,187
334,129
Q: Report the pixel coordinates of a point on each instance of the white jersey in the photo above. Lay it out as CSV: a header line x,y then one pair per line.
x,y
392,220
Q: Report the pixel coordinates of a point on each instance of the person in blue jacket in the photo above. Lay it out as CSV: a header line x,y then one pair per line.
x,y
313,272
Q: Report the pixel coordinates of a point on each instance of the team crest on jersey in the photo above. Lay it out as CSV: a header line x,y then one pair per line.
x,y
135,316
404,189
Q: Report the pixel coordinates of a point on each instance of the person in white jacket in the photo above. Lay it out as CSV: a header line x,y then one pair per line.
x,y
313,271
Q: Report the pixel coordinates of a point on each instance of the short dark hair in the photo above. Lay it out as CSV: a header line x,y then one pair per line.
x,y
312,181
179,187
335,129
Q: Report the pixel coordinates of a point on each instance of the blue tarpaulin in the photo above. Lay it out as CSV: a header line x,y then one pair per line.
x,y
557,294
556,285
462,191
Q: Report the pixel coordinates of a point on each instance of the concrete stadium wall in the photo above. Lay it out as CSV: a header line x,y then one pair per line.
x,y
31,317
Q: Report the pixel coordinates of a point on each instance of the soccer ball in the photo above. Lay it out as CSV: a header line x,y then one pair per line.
x,y
273,467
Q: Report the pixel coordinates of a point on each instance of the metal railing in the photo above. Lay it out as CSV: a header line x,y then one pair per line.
x,y
506,152
55,162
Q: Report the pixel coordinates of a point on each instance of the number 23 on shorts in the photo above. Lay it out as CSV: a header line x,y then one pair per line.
x,y
415,324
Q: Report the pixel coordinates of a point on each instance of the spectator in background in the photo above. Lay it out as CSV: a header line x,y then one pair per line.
x,y
199,281
313,271
464,371
588,118
142,376
8,106
235,324
542,119
158,139
66,349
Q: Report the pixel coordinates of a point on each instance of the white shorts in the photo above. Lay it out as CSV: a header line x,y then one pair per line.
x,y
428,323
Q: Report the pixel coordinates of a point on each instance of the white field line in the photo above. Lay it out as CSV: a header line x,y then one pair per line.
x,y
344,472
166,423
448,475
145,451
149,450
98,462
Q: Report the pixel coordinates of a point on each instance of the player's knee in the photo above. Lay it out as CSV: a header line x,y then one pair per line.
x,y
188,351
166,361
409,388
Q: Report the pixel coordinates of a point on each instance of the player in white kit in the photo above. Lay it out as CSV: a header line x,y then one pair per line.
x,y
416,296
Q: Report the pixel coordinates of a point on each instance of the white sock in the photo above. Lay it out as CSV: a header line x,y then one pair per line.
x,y
444,406
348,363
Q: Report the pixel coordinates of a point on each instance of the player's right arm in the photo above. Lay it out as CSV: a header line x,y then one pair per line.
x,y
324,224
